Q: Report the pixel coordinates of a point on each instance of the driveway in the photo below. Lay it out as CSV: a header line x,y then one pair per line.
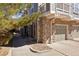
x,y
25,51
21,47
61,48
66,47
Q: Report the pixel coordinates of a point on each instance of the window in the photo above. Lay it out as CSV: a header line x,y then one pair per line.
x,y
59,5
76,8
66,7
47,6
42,7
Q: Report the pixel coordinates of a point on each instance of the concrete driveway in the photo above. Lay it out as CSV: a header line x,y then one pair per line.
x,y
66,47
20,47
61,48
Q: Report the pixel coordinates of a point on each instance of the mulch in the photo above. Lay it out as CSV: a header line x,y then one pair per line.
x,y
4,51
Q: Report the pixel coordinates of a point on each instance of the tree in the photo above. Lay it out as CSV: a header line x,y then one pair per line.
x,y
12,8
7,24
28,19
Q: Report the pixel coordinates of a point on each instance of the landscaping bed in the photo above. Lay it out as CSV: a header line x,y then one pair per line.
x,y
4,51
39,48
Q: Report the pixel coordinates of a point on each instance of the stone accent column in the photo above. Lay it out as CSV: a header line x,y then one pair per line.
x,y
39,31
53,32
70,31
43,30
45,27
50,40
47,31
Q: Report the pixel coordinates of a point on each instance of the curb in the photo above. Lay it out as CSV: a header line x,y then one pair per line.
x,y
9,53
37,51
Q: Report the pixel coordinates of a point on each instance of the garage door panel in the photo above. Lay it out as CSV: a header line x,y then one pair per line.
x,y
60,33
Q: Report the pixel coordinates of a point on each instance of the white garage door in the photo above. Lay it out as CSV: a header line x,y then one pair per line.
x,y
60,32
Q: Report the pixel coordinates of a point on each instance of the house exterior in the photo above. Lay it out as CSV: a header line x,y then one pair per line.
x,y
60,21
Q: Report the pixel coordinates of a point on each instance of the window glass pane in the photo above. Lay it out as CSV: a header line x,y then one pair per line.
x,y
76,7
42,7
66,7
59,5
47,6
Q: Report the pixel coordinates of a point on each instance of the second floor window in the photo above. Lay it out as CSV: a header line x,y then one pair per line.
x,y
47,6
76,8
59,5
42,8
66,7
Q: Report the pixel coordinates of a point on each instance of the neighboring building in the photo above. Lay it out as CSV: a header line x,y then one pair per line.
x,y
59,22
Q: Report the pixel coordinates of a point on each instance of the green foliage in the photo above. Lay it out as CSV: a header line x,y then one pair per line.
x,y
28,19
12,8
7,24
1,13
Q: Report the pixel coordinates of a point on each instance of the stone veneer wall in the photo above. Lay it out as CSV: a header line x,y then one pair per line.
x,y
44,30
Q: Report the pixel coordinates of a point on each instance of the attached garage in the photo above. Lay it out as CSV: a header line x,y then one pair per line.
x,y
60,32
